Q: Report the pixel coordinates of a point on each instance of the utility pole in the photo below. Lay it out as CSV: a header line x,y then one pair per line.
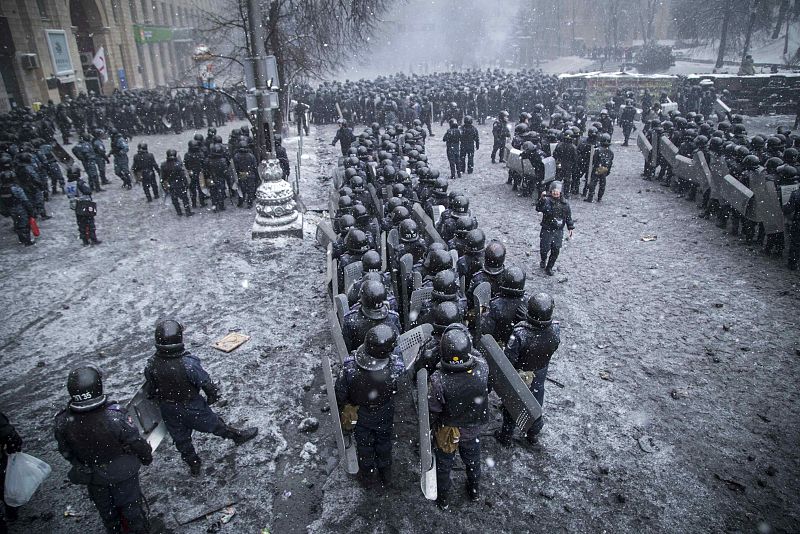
x,y
264,131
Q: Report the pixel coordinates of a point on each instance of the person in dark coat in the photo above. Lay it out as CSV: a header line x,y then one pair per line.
x,y
194,161
10,443
470,143
530,347
145,166
602,162
344,135
556,214
174,378
98,438
791,211
246,165
368,382
500,134
174,175
80,195
452,138
566,156
15,204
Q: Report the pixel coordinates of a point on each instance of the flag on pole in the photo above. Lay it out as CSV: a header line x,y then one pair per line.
x,y
99,63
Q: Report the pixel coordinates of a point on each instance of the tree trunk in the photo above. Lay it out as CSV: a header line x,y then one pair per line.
x,y
273,45
723,39
781,17
750,22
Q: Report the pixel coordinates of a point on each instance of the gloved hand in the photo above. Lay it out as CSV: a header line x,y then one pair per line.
x,y
212,393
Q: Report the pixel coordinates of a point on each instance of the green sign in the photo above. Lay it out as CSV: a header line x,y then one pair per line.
x,y
151,34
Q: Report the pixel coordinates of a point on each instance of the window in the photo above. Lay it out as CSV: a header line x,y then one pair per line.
x,y
132,6
42,5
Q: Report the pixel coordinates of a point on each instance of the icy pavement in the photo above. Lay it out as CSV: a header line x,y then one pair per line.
x,y
678,361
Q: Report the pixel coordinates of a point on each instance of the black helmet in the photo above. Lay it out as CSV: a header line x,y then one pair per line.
x,y
73,173
467,120
773,164
361,213
445,285
371,261
774,142
379,343
700,141
437,261
408,231
453,123
345,204
605,140
217,149
788,172
373,299
459,205
198,137
400,214
444,314
357,183
751,162
463,225
757,142
85,387
212,132
540,308
345,223
520,129
193,145
169,335
475,241
455,347
356,241
790,155
512,283
494,257
172,154
142,147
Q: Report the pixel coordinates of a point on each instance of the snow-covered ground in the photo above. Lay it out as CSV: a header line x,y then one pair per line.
x,y
763,50
679,361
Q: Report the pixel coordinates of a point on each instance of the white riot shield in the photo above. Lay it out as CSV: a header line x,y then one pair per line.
x,y
427,461
325,234
668,150
346,444
425,222
734,194
701,171
335,277
766,207
418,298
722,109
146,416
352,273
514,160
338,177
669,106
437,214
549,169
481,296
384,252
515,394
377,204
684,169
644,145
336,333
341,305
718,170
329,273
411,341
786,192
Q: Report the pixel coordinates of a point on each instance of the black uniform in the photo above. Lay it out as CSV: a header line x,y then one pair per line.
x,y
792,213
453,139
194,161
173,173
556,214
106,453
499,133
356,325
470,142
566,156
144,163
601,168
626,121
10,442
246,166
345,137
500,318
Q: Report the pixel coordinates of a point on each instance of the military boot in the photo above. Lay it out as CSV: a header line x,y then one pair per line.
x,y
473,491
195,464
241,436
385,475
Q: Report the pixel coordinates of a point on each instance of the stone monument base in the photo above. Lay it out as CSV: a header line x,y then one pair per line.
x,y
293,229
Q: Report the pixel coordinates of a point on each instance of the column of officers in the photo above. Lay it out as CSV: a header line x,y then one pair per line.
x,y
459,379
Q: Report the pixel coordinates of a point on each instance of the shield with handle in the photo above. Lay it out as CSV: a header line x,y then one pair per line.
x,y
346,444
481,296
644,145
330,273
325,234
735,194
384,253
515,394
411,341
338,338
341,305
766,208
352,273
427,461
403,279
146,416
418,298
437,214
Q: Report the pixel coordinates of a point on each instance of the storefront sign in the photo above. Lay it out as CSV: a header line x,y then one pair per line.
x,y
59,52
151,34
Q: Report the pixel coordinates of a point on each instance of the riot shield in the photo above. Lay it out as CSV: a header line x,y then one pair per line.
x,y
786,192
404,278
766,207
427,461
684,169
701,171
437,214
425,222
418,298
668,150
378,205
549,169
346,444
62,155
515,394
417,280
454,255
338,177
384,252
334,277
146,416
352,273
735,194
411,341
341,305
338,338
325,234
481,297
669,106
644,145
655,153
329,273
721,108
718,170
514,160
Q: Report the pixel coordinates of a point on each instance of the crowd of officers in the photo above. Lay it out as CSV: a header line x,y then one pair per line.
x,y
728,142
459,379
104,447
32,172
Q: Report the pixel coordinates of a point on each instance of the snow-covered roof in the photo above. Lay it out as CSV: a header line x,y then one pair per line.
x,y
758,75
624,75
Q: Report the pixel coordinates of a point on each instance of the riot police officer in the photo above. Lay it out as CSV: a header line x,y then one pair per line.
x,y
556,214
144,165
501,316
500,134
601,167
470,143
174,378
101,158
216,171
372,311
459,407
84,151
369,381
97,436
452,138
194,161
174,175
119,149
530,348
246,165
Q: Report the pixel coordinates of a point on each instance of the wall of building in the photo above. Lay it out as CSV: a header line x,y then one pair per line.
x,y
147,43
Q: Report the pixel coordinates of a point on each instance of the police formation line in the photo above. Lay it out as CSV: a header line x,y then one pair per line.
x,y
422,300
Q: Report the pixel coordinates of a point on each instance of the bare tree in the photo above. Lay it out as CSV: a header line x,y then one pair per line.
x,y
647,11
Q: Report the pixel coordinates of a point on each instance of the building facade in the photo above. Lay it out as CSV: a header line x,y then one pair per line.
x,y
47,46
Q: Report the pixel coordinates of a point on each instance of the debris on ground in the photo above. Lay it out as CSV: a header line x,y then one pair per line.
x,y
231,342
